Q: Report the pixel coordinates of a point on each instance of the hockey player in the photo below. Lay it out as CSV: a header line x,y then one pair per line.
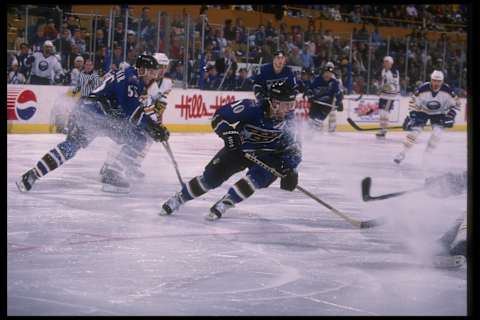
x,y
324,93
154,98
265,128
390,88
113,110
443,186
332,116
46,69
434,101
271,73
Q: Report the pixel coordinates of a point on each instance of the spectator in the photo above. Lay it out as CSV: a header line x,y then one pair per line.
x,y
39,38
306,56
118,34
78,41
295,58
72,23
212,80
50,30
15,76
117,56
101,61
260,35
100,38
229,30
77,68
243,82
21,58
229,82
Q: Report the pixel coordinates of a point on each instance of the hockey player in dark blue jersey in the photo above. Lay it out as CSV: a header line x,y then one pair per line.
x,y
271,73
324,93
265,129
113,110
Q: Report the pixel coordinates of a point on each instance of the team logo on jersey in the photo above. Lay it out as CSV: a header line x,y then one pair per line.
x,y
43,65
259,135
433,105
21,104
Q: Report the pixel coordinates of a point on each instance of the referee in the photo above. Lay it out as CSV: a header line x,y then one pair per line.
x,y
88,80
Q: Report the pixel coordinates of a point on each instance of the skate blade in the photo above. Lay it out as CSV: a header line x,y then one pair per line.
x,y
211,217
21,187
114,189
449,262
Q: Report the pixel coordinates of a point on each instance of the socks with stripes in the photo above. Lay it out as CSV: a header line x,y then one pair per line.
x,y
55,158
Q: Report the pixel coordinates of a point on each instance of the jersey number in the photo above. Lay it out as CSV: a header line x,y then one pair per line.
x,y
132,91
237,107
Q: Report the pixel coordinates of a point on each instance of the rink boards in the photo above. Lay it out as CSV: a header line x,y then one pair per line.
x,y
39,109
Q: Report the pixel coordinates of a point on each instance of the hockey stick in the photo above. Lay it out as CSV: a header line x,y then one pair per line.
x,y
166,145
354,99
354,222
356,127
366,185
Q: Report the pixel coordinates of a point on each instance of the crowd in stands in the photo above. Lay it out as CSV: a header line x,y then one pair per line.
x,y
228,45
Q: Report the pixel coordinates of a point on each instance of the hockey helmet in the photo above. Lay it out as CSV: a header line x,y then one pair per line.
x,y
146,61
162,59
282,99
282,91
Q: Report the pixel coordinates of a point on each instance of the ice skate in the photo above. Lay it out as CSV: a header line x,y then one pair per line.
x,y
27,181
114,182
219,208
381,134
399,157
171,205
134,173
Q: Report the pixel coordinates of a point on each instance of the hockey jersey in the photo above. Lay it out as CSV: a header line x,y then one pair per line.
x,y
390,84
258,131
267,77
426,100
122,90
45,67
325,91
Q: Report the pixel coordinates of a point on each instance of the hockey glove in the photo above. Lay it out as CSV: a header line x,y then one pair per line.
x,y
232,140
158,132
290,181
340,106
449,119
409,121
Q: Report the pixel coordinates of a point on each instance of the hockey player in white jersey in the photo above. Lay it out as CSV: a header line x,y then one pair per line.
x,y
155,100
390,88
434,101
46,69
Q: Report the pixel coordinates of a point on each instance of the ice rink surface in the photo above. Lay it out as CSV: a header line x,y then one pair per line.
x,y
75,250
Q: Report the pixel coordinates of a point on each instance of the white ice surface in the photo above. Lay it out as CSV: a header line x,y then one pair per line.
x,y
74,250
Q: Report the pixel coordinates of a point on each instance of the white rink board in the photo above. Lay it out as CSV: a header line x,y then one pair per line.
x,y
74,250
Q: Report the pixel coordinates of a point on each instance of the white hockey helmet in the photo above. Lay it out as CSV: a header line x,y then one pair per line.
x,y
48,43
329,64
388,59
123,65
162,59
436,75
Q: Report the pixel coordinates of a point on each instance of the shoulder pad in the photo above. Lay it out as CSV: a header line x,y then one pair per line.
x,y
446,88
423,88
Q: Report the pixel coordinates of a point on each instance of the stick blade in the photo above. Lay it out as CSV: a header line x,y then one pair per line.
x,y
372,223
366,185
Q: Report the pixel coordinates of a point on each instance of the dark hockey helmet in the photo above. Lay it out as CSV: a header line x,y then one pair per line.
x,y
281,99
147,61
282,91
